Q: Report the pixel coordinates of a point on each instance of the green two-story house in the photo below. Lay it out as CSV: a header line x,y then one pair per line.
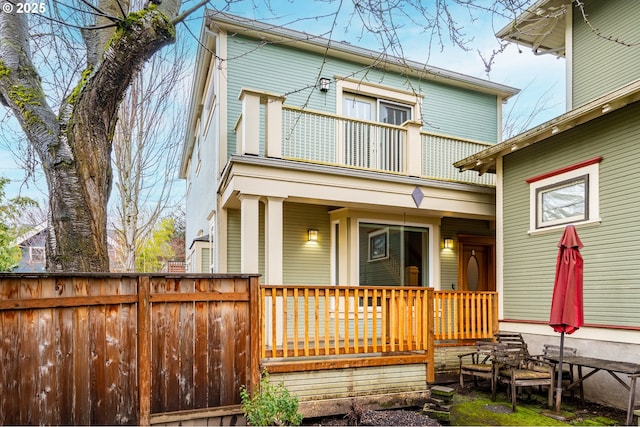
x,y
328,169
578,168
317,162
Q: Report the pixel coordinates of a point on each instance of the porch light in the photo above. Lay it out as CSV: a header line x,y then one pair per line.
x,y
324,84
448,243
313,235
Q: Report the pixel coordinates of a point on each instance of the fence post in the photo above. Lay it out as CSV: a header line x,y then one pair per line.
x,y
144,352
255,331
431,371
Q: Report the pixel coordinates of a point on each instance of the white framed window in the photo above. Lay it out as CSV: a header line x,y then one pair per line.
x,y
566,196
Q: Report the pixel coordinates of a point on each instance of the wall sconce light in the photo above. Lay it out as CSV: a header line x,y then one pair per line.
x,y
324,84
313,235
448,243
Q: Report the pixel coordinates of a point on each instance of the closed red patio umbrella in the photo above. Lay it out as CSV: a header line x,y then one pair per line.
x,y
567,313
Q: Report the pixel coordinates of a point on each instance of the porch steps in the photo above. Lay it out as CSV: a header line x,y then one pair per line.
x,y
439,404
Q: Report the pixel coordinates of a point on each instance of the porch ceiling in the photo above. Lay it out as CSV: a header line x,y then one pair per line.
x,y
338,187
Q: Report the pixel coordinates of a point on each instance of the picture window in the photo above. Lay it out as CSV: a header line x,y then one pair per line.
x,y
566,196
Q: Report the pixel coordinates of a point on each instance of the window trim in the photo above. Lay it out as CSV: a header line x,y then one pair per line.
x,y
378,92
589,170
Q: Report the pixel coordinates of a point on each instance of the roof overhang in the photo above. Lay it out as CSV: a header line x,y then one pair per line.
x,y
541,27
485,160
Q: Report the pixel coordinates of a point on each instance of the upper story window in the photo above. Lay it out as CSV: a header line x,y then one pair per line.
x,y
566,196
365,108
394,114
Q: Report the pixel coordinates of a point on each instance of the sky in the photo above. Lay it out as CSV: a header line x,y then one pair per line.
x,y
536,76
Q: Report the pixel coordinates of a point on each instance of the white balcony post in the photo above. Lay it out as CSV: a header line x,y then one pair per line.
x,y
414,149
250,126
249,237
273,126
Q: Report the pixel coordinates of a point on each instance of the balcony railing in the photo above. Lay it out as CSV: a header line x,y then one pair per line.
x,y
325,138
319,137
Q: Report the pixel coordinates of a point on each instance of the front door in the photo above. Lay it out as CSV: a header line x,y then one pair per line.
x,y
476,263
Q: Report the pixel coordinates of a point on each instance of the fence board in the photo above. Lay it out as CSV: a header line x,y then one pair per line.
x,y
87,349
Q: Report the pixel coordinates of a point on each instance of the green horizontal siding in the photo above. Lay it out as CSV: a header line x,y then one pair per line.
x,y
612,270
600,65
306,263
339,383
460,112
285,70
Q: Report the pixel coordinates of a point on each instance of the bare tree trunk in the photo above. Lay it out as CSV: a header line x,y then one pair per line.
x,y
145,151
75,148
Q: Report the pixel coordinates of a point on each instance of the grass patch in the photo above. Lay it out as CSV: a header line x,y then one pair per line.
x,y
475,408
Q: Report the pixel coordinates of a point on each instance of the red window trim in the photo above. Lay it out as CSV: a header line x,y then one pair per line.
x,y
564,170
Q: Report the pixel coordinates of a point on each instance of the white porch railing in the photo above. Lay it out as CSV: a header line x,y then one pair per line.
x,y
313,136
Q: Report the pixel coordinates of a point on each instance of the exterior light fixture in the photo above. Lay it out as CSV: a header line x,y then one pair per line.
x,y
448,243
313,235
324,84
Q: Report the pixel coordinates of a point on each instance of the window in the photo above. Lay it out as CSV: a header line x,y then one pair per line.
x,y
566,196
393,255
368,145
394,114
36,255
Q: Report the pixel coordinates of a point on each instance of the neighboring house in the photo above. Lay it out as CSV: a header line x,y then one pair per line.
x,y
34,260
316,162
33,253
578,168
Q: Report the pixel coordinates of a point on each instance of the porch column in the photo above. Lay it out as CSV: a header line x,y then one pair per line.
x,y
414,149
273,243
249,237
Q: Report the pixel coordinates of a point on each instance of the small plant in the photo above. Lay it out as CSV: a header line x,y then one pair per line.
x,y
270,405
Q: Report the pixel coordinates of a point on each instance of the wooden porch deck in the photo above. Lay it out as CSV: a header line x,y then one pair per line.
x,y
303,326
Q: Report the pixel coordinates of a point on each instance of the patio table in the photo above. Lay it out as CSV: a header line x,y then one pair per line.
x,y
632,370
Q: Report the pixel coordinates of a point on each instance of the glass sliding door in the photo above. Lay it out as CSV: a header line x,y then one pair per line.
x,y
393,255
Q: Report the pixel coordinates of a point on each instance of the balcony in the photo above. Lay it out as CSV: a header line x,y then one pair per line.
x,y
317,137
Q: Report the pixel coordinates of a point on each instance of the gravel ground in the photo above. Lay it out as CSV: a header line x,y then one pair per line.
x,y
396,417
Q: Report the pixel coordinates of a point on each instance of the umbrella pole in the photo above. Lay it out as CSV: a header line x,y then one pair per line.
x,y
559,381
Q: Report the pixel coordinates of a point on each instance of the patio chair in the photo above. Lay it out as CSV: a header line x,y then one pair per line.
x,y
512,340
517,369
478,363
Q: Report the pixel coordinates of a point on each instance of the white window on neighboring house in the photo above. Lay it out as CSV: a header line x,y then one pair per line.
x,y
36,255
565,196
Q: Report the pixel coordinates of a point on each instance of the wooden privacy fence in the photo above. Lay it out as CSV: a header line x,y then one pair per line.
x,y
114,349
